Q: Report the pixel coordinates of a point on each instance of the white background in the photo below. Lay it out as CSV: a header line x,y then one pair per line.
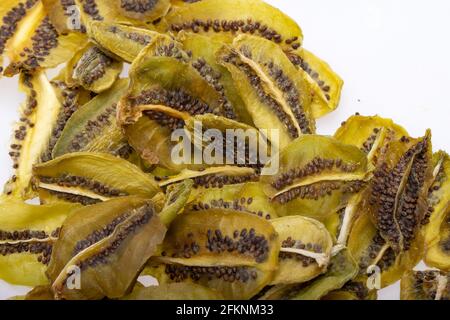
x,y
394,56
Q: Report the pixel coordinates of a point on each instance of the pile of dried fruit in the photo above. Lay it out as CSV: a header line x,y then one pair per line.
x,y
96,150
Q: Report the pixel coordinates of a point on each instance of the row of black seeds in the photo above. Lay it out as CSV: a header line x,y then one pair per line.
x,y
176,99
98,235
90,8
233,26
93,128
134,223
244,241
301,63
227,274
140,6
67,180
370,141
141,38
315,166
42,249
69,106
237,204
265,98
213,78
101,60
310,192
10,22
218,181
74,198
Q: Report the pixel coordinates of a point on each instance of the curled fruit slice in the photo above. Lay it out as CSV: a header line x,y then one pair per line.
x,y
27,235
204,60
316,174
94,70
232,252
371,251
342,269
326,84
37,44
93,126
92,177
437,232
228,18
174,291
305,249
122,41
165,90
35,132
397,195
369,134
274,92
104,247
425,285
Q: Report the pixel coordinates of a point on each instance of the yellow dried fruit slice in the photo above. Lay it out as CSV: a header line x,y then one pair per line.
x,y
27,236
173,291
425,285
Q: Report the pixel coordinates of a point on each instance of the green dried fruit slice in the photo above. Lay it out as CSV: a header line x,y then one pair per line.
x,y
228,18
437,232
94,70
274,92
37,44
27,236
93,126
177,196
232,252
34,132
92,177
369,134
106,246
425,285
316,175
121,41
370,249
174,291
342,269
305,249
204,50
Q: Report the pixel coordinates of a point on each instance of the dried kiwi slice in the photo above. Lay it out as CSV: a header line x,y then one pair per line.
x,y
12,13
305,249
369,134
342,269
33,134
204,50
325,83
63,16
91,177
425,285
165,90
173,291
37,44
227,18
107,244
274,92
229,251
27,236
93,69
93,126
437,232
121,41
398,192
317,174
